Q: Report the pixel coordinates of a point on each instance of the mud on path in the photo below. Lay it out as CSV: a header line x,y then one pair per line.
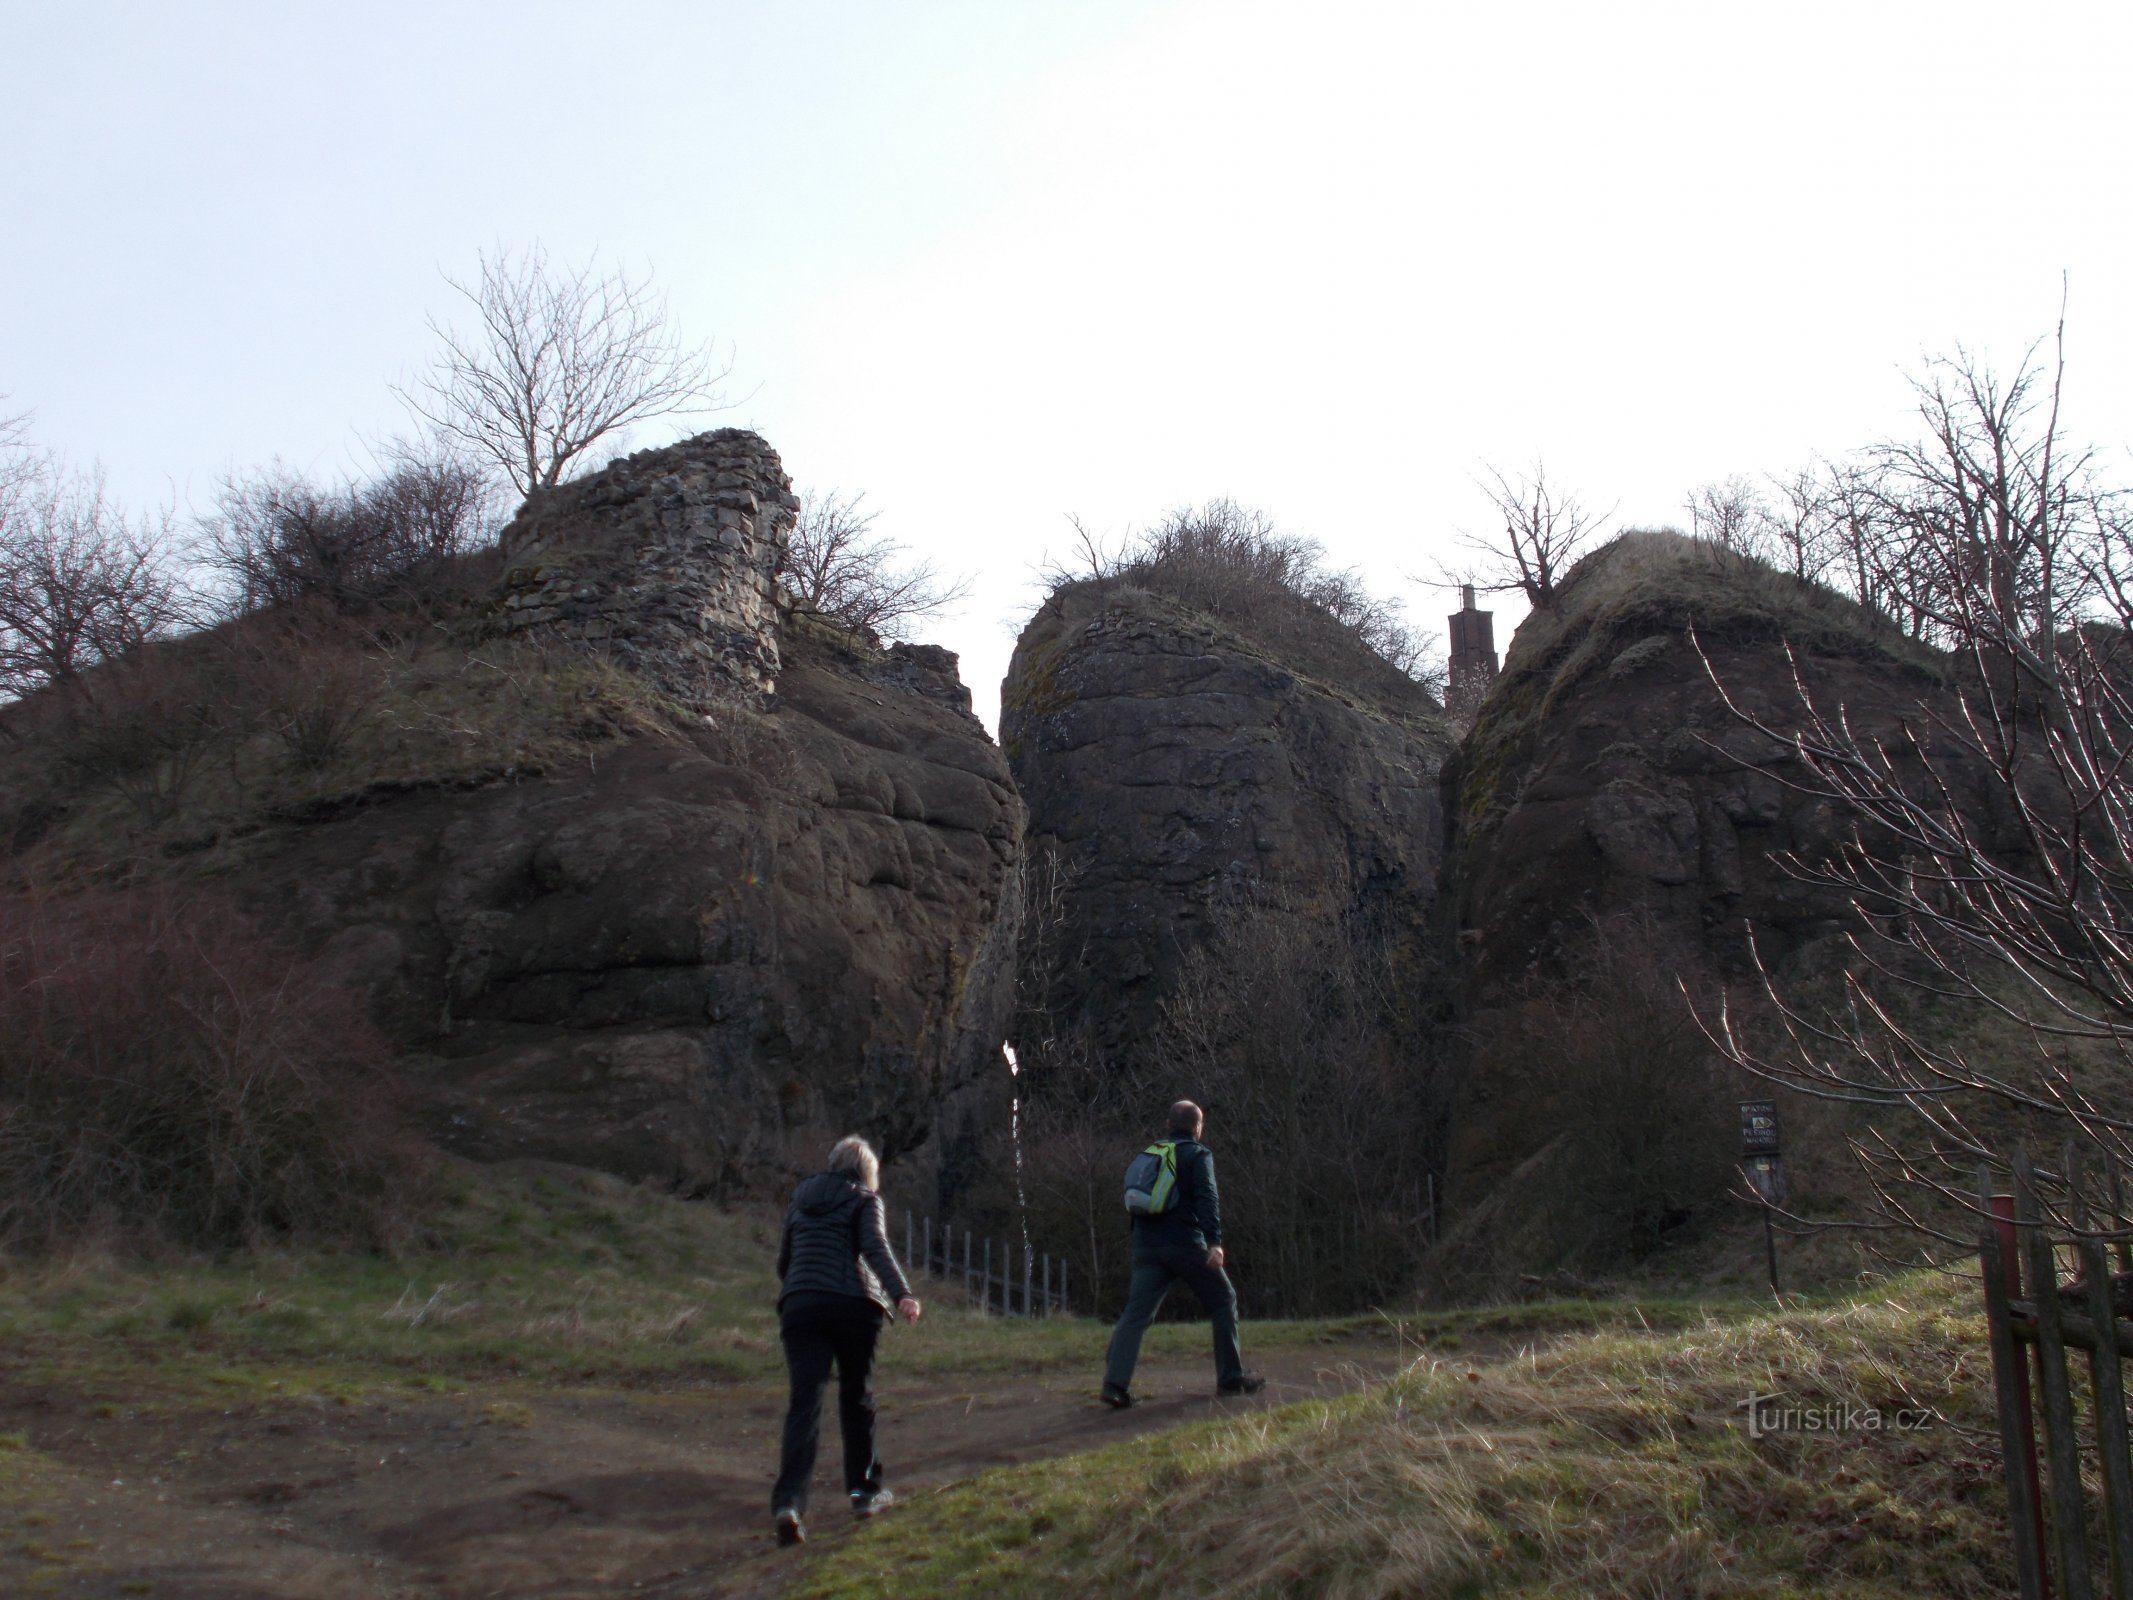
x,y
551,1493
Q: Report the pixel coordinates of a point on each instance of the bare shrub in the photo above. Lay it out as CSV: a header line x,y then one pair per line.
x,y
1602,1068
168,1073
1733,514
1234,563
280,539
309,679
1305,1045
140,729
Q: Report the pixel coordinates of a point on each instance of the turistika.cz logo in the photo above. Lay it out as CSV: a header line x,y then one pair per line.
x,y
1772,1413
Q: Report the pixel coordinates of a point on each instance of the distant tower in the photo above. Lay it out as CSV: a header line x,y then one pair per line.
x,y
1473,664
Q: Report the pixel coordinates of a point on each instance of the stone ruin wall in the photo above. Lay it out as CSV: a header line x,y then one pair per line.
x,y
667,560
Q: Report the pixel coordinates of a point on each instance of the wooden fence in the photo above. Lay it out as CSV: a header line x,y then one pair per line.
x,y
2034,1324
1029,1292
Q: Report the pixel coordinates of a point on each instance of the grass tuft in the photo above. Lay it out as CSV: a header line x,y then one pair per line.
x,y
1613,1464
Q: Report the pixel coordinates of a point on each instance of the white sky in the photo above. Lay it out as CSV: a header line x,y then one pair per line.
x,y
1000,262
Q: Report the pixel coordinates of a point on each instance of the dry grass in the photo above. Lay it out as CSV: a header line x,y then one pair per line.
x,y
283,726
1612,1465
529,1277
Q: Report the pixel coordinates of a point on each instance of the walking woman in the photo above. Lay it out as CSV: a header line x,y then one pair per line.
x,y
838,1284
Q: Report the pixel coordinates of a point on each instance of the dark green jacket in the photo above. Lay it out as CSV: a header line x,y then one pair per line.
x,y
1196,1219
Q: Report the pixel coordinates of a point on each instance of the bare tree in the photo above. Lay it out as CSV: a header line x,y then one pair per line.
x,y
1092,558
1731,513
80,581
559,359
1991,864
19,461
1859,537
837,565
1797,524
1543,533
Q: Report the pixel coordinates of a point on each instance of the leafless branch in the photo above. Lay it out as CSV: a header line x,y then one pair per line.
x,y
557,359
1544,532
837,565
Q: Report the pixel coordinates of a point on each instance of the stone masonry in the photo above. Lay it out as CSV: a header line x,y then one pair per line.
x,y
667,559
1473,659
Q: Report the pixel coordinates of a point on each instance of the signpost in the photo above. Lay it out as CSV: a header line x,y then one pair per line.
x,y
1763,1161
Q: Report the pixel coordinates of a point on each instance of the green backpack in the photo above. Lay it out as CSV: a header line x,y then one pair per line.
x,y
1152,1179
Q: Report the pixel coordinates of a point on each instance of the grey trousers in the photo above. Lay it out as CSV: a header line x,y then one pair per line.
x,y
1154,1271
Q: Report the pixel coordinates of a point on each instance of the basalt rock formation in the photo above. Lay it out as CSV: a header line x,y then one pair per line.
x,y
1173,761
1606,774
783,903
1618,829
656,965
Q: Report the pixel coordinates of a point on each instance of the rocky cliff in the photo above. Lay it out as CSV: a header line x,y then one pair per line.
x,y
1617,830
658,964
1605,774
1171,761
643,872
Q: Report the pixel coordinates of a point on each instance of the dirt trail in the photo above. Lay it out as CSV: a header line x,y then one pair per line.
x,y
564,1495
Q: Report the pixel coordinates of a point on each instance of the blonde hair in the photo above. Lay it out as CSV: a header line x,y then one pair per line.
x,y
855,1158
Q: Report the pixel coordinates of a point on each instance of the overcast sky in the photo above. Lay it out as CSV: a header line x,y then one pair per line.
x,y
1000,263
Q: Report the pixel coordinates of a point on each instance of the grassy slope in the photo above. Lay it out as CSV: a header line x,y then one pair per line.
x,y
1612,1464
532,1276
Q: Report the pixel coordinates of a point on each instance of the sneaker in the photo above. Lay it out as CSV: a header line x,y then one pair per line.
x,y
867,1503
788,1525
1243,1383
1116,1396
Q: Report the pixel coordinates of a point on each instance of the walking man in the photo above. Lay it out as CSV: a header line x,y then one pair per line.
x,y
1182,1241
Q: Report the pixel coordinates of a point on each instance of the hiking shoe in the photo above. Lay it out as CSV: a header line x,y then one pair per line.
x,y
788,1525
1116,1396
1243,1383
866,1503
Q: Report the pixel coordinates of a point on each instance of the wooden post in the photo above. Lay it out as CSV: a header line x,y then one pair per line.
x,y
1062,1287
2001,1265
2061,1445
1047,1283
985,1283
2110,1390
1027,1274
2124,1248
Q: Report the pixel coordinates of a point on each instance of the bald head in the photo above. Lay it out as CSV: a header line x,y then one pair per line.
x,y
1185,1120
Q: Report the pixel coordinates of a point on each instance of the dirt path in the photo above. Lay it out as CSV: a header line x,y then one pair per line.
x,y
560,1495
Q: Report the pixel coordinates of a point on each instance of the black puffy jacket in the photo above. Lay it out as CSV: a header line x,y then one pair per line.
x,y
837,1242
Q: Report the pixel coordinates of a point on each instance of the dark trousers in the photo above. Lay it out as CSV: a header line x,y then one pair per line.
x,y
1154,1271
818,1330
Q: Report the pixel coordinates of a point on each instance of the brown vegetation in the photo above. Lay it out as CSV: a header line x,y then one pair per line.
x,y
1232,563
1306,1043
168,1074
